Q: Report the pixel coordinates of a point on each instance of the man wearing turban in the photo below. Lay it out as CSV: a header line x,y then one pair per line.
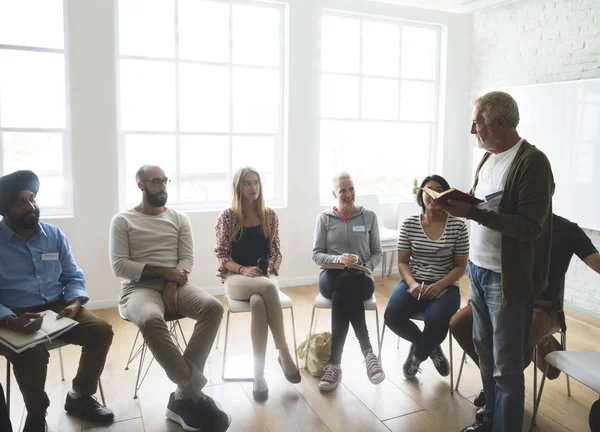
x,y
37,273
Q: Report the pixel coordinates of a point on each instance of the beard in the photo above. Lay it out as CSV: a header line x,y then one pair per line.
x,y
25,221
158,199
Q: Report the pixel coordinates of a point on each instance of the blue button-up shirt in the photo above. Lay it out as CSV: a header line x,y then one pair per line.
x,y
37,271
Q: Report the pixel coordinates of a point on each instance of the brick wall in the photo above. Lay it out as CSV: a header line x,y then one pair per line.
x,y
539,41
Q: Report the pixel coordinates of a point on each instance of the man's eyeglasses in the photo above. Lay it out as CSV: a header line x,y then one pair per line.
x,y
157,181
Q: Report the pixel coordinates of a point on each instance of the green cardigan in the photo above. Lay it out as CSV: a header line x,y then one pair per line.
x,y
524,219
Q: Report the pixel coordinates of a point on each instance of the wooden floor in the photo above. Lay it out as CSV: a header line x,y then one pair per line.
x,y
396,404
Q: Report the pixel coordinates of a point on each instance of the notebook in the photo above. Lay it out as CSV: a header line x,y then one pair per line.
x,y
51,329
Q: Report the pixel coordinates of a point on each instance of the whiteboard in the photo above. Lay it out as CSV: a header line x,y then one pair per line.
x,y
563,120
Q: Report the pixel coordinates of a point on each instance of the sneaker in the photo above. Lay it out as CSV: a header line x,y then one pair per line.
x,y
203,415
440,361
479,400
35,423
410,368
331,378
88,408
374,371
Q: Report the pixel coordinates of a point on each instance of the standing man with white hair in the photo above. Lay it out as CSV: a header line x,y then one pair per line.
x,y
509,254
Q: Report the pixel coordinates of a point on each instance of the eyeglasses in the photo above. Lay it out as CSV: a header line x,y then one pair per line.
x,y
157,181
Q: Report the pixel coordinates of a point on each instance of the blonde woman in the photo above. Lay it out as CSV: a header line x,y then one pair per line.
x,y
249,258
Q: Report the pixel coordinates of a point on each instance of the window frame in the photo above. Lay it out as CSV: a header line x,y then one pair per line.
x,y
280,138
435,123
67,209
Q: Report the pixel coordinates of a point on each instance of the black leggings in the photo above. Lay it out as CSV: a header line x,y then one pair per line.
x,y
347,289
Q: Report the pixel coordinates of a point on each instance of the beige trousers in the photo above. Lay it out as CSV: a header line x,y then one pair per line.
x,y
263,293
145,308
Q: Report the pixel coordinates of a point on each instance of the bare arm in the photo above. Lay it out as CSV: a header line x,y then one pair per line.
x,y
593,262
404,268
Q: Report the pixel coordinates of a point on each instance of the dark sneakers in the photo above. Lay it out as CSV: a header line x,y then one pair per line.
x,y
203,415
35,423
478,427
89,409
479,401
440,361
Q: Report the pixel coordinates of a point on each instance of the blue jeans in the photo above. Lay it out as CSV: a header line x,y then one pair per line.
x,y
500,335
403,305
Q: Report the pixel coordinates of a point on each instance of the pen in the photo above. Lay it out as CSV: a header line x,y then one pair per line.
x,y
32,321
420,291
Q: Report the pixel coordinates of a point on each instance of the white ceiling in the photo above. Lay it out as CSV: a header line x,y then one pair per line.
x,y
451,5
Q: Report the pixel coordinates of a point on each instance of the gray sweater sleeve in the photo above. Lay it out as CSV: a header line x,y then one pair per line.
x,y
375,245
319,253
122,264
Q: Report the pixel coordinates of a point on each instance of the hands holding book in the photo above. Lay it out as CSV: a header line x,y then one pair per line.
x,y
348,259
422,292
27,323
71,310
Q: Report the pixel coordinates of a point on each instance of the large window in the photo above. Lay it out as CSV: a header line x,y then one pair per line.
x,y
379,99
34,132
201,86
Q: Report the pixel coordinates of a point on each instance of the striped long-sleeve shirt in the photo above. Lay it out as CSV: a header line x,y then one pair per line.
x,y
431,260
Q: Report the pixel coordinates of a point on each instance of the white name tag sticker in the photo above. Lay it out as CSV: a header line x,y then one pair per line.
x,y
49,256
358,228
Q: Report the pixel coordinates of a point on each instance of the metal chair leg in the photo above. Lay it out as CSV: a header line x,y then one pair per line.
x,y
8,388
101,392
390,265
535,353
142,356
378,336
536,405
131,356
451,363
398,343
294,333
225,345
381,342
383,264
62,368
563,337
460,370
310,331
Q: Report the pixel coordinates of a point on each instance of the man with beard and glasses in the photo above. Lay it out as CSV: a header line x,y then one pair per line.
x,y
152,250
509,254
38,272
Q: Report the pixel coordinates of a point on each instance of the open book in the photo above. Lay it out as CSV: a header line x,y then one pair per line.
x,y
51,328
451,194
340,266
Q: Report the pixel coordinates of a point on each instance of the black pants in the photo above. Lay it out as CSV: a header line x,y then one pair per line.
x,y
347,289
5,425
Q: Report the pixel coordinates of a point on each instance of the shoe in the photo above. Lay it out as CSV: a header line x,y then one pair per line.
x,y
440,361
479,400
374,371
331,378
35,423
294,377
410,368
260,396
203,415
478,427
89,409
480,414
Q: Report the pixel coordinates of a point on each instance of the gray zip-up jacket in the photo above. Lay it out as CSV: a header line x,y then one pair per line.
x,y
335,237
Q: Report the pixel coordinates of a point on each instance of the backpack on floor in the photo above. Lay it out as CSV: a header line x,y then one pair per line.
x,y
318,353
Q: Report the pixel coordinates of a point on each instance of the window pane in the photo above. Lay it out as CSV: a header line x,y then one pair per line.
x,y
419,52
259,153
381,49
203,30
204,98
204,169
147,28
32,89
36,23
256,100
340,44
148,149
41,153
406,150
339,96
147,95
256,35
380,99
417,101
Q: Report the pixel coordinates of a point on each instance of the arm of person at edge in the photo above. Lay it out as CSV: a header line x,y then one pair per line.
x,y
534,199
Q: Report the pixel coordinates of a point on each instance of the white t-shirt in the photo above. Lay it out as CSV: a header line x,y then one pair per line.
x,y
486,243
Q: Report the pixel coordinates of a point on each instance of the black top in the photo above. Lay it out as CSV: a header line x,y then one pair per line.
x,y
252,245
567,239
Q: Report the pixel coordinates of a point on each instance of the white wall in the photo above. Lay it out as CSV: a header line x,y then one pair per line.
x,y
537,41
92,53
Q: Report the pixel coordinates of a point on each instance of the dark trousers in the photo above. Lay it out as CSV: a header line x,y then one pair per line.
x,y
30,367
347,289
5,425
403,305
